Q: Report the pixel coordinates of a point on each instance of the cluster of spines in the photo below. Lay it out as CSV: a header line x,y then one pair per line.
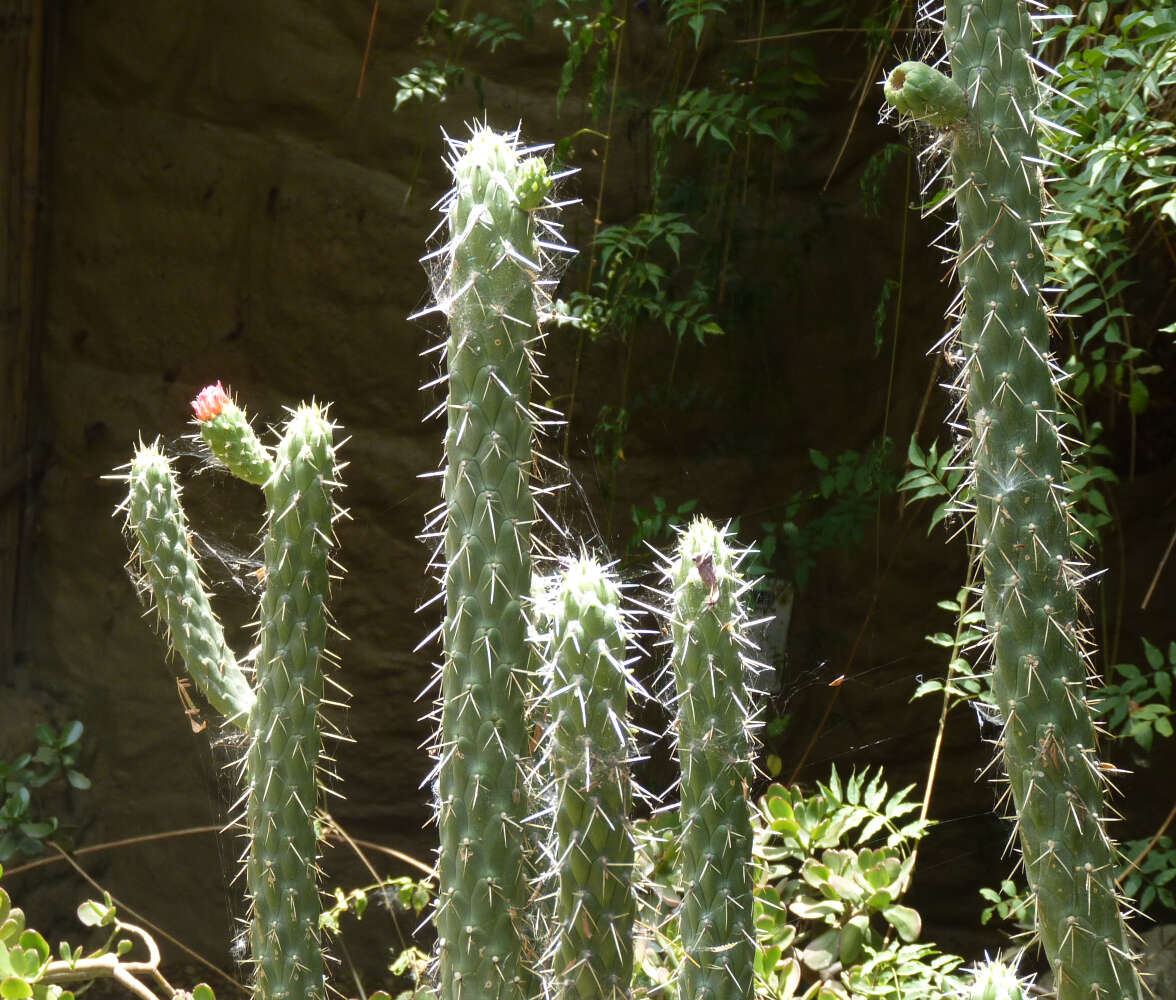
x,y
1023,526
585,787
490,287
713,677
283,766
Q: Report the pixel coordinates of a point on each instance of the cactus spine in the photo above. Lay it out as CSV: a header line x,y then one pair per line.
x,y
1023,524
488,291
587,751
714,725
280,714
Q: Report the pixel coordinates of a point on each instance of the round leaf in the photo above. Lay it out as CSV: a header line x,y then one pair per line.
x,y
203,991
15,989
906,921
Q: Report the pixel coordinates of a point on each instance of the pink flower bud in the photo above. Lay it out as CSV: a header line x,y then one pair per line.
x,y
210,402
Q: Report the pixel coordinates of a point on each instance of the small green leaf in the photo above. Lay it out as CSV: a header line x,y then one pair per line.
x,y
202,991
1155,658
906,921
94,914
15,989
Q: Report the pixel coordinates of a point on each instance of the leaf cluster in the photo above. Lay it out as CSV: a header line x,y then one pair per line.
x,y
24,826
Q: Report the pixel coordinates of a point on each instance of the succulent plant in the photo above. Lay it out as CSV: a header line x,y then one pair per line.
x,y
1023,524
280,710
489,289
716,719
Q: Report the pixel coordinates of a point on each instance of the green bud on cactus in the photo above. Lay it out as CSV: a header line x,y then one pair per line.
x,y
587,749
919,90
166,566
532,183
230,437
715,725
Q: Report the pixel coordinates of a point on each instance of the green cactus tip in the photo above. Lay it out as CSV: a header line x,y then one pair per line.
x,y
230,437
919,90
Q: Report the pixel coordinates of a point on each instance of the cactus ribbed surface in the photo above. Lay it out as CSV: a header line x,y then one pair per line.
x,y
166,565
488,291
1023,524
714,730
281,766
587,750
280,713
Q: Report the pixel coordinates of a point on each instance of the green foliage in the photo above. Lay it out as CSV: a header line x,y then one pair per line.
x,y
1138,705
1115,68
874,176
28,970
656,525
694,15
1012,903
834,513
24,826
832,868
962,683
1150,882
430,80
931,475
708,115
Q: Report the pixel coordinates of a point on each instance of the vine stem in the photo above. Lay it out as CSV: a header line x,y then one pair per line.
x,y
596,223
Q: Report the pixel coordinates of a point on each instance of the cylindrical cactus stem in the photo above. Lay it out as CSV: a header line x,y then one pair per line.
x,y
489,293
586,753
1023,523
230,437
166,565
282,763
715,723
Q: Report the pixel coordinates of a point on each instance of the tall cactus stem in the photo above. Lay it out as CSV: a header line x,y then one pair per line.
x,y
585,755
715,731
493,263
283,759
1023,523
164,564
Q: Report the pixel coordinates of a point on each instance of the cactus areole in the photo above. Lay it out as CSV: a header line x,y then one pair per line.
x,y
1023,524
492,263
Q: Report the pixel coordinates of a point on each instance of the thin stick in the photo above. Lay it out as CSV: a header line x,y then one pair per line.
x,y
367,50
1159,570
1150,844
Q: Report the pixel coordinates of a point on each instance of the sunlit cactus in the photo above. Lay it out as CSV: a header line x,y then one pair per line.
x,y
489,288
713,679
1023,524
583,766
282,768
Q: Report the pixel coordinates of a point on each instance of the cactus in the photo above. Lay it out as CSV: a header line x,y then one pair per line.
x,y
488,288
585,755
166,567
1023,524
280,713
715,725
